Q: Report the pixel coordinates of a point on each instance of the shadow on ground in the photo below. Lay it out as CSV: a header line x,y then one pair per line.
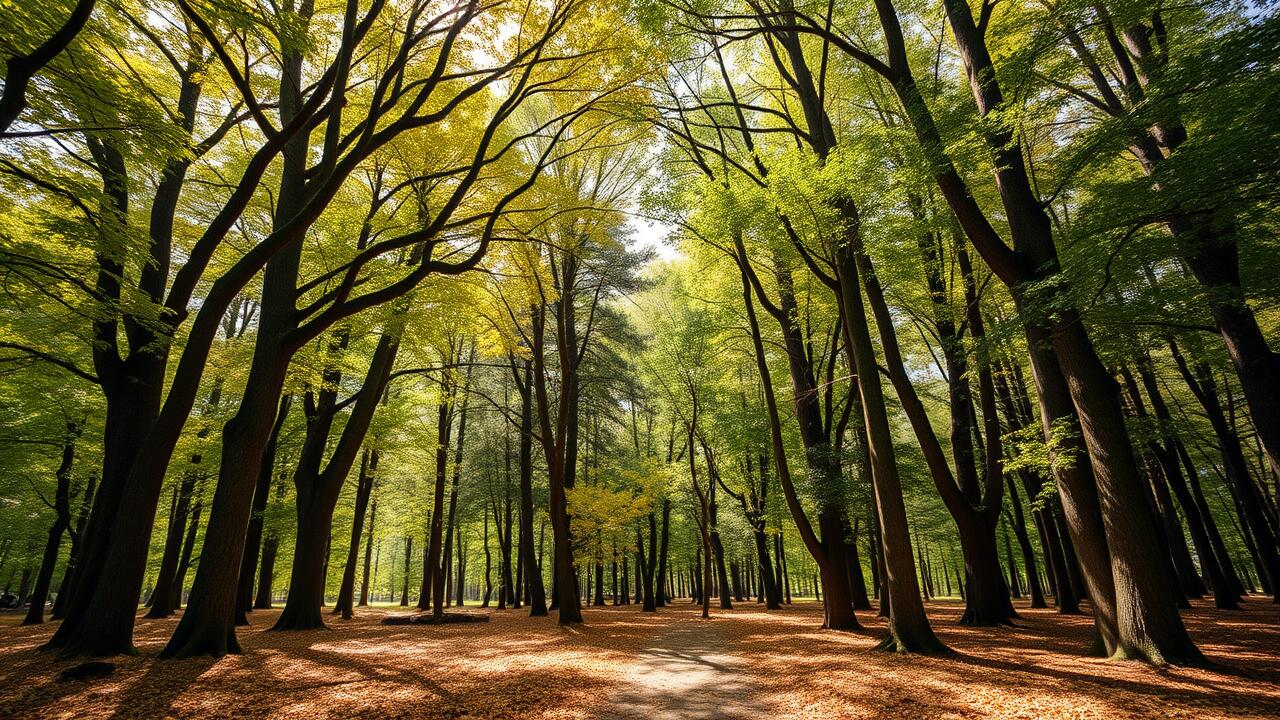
x,y
622,663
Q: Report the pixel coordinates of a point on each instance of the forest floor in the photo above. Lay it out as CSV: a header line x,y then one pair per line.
x,y
625,664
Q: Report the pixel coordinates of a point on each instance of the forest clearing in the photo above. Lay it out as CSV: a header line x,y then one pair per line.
x,y
639,358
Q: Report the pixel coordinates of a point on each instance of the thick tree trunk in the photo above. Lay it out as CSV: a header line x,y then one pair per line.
x,y
129,416
307,577
208,625
1148,622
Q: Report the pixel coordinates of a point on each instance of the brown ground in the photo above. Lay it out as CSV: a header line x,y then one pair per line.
x,y
743,663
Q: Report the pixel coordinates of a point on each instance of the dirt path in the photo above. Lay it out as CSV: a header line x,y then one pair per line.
x,y
686,673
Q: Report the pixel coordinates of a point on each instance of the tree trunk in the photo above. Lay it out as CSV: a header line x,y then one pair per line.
x,y
270,546
1250,500
974,505
261,496
408,556
909,629
661,595
1024,544
77,536
61,521
364,489
365,581
184,564
533,586
1225,593
432,595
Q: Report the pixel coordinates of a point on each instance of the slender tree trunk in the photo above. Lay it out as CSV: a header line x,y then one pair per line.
x,y
1224,589
61,521
1024,544
533,582
408,557
184,564
661,599
432,595
270,546
909,629
261,495
973,504
364,489
1250,500
161,601
77,536
368,553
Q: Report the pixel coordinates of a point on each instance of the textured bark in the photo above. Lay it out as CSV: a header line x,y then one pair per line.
x,y
138,446
208,625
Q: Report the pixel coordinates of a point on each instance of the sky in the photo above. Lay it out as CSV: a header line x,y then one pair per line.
x,y
649,234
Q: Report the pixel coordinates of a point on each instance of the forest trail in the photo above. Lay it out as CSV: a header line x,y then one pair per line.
x,y
684,673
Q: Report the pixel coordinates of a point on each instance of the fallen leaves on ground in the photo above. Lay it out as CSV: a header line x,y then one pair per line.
x,y
766,664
